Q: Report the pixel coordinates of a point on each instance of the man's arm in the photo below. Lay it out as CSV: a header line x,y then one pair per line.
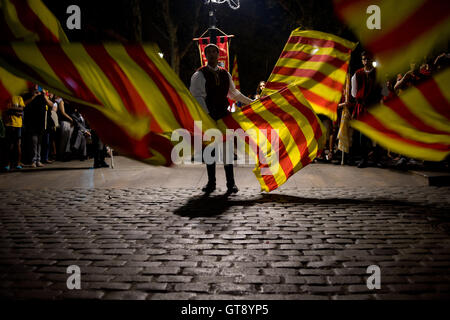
x,y
235,94
198,89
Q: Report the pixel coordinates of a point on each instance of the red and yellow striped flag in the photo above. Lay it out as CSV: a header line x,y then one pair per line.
x,y
415,124
409,29
235,74
284,134
132,97
317,63
28,20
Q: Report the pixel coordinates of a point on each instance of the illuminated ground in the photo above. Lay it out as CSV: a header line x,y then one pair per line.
x,y
140,232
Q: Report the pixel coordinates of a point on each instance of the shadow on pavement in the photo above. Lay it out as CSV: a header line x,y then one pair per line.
x,y
212,206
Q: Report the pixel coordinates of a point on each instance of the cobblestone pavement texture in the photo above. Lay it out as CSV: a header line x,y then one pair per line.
x,y
311,243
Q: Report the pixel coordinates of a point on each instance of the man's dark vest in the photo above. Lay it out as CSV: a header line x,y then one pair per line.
x,y
217,86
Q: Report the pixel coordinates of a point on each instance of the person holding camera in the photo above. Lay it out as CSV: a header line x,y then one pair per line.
x,y
36,121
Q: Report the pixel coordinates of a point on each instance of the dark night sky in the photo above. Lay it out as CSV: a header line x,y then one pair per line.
x,y
261,28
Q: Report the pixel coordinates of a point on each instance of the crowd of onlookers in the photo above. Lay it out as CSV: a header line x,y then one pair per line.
x,y
364,92
38,128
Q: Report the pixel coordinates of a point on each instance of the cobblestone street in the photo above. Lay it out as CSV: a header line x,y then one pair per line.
x,y
173,243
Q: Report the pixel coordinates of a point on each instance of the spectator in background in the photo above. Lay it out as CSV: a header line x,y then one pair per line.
x,y
12,120
366,92
79,134
409,79
65,129
99,151
35,119
49,128
259,89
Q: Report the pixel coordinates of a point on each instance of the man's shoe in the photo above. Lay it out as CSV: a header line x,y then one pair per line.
x,y
102,164
33,165
362,164
47,161
210,187
39,164
232,189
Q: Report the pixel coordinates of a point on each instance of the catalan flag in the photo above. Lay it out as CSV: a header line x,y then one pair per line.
x,y
129,93
415,124
27,20
283,132
409,29
317,63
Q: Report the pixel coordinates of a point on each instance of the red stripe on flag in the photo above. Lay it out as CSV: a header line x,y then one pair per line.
x,y
381,128
292,125
261,124
66,71
319,100
32,22
399,107
131,99
269,180
424,18
312,74
431,91
274,85
307,112
303,56
322,43
176,103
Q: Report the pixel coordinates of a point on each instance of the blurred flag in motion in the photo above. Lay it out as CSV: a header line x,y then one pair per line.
x,y
26,20
282,132
409,29
133,98
415,124
29,20
317,63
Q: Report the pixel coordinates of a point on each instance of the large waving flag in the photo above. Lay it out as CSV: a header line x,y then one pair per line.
x,y
409,29
415,124
317,63
129,88
283,132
